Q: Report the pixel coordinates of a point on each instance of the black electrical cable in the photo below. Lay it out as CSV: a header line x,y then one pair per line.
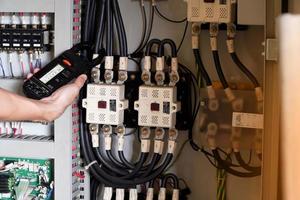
x,y
168,19
219,69
101,26
223,164
105,177
86,31
172,45
109,29
120,26
196,108
201,67
244,69
138,167
150,44
123,31
143,11
92,22
155,159
183,36
148,35
107,164
125,161
173,177
112,158
243,164
94,189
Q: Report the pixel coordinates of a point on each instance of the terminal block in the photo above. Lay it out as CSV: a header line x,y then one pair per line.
x,y
24,39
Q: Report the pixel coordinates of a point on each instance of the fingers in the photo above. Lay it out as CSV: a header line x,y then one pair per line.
x,y
30,74
36,70
80,80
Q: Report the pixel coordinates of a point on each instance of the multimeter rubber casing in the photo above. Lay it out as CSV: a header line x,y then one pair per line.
x,y
56,74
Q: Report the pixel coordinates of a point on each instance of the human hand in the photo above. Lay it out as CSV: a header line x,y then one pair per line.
x,y
53,106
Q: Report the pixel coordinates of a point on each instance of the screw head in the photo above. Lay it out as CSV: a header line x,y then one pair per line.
x,y
159,132
159,77
106,128
120,129
174,78
172,134
145,77
122,76
108,76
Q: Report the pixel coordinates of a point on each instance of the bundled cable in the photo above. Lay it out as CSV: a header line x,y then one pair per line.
x,y
146,32
103,173
231,33
245,165
174,76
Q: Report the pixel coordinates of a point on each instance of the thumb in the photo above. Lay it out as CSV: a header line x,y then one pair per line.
x,y
80,80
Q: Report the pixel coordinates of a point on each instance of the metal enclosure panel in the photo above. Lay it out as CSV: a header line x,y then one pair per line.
x,y
61,150
270,173
63,129
251,12
26,149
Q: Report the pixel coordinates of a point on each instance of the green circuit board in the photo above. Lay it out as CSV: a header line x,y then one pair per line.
x,y
26,179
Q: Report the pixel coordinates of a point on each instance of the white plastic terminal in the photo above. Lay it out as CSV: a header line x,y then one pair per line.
x,y
120,194
121,142
213,43
160,63
147,63
150,194
108,191
123,63
195,42
230,46
145,146
109,62
160,75
175,195
162,194
133,194
105,104
94,130
171,146
107,131
157,106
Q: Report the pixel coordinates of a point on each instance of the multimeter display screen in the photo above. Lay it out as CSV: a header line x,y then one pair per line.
x,y
51,74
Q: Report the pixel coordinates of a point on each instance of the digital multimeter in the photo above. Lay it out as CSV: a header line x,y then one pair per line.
x,y
58,73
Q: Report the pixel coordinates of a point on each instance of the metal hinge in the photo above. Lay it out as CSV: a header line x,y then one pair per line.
x,y
272,50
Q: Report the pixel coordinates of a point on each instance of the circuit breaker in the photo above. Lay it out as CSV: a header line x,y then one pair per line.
x,y
105,104
157,106
212,11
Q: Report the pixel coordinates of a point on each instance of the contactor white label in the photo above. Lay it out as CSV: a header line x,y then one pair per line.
x,y
247,120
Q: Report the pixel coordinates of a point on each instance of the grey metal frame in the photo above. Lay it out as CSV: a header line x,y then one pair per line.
x,y
60,150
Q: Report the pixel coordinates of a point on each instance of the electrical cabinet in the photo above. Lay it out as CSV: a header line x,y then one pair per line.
x,y
154,111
